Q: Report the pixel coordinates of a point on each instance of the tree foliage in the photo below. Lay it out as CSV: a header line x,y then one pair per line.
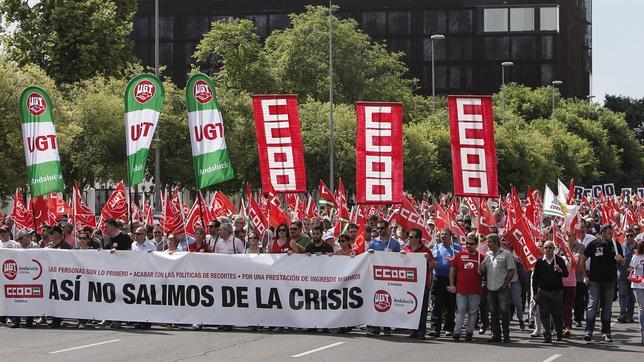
x,y
633,110
71,40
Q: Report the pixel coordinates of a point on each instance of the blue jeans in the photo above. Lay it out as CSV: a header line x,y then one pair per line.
x,y
639,295
626,299
517,302
599,293
466,304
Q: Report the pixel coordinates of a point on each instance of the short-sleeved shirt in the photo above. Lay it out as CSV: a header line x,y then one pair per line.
x,y
146,246
497,268
637,263
444,256
232,245
123,242
390,244
578,248
323,248
603,267
204,248
9,244
468,280
276,248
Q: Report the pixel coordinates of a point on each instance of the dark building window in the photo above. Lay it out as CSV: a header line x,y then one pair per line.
x,y
434,22
526,74
441,77
166,53
166,28
460,21
460,48
460,76
142,28
547,74
547,47
277,21
261,23
374,22
190,49
497,48
142,51
194,26
400,45
398,22
440,49
524,47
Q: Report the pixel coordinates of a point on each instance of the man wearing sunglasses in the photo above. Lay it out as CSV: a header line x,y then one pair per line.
x,y
547,290
464,270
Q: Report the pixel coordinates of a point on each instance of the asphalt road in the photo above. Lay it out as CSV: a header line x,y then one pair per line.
x,y
71,344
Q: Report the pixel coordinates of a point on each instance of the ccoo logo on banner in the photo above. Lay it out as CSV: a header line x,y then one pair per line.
x,y
473,150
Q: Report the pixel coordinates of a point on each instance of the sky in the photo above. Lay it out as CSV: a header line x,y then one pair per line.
x,y
618,48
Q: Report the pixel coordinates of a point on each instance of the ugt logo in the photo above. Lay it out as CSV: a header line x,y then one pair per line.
x,y
202,92
36,104
144,91
10,269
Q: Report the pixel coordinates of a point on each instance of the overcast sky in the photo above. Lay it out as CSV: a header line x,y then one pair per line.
x,y
618,48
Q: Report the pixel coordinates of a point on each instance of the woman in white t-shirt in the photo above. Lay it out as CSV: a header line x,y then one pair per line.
x,y
637,282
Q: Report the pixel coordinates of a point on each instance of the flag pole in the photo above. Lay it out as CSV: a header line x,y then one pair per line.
x,y
199,197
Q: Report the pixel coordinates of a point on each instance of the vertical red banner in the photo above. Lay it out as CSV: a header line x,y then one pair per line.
x,y
471,123
279,143
379,153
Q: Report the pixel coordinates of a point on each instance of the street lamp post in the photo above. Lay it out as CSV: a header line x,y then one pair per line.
x,y
590,98
555,83
331,123
434,37
157,151
503,66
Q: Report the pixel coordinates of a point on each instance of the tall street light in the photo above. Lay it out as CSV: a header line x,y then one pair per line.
x,y
503,66
157,151
434,37
555,83
590,98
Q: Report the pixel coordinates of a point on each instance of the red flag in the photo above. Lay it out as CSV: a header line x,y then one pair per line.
x,y
359,244
521,240
171,218
486,219
408,217
276,215
473,149
82,215
257,218
291,201
22,216
311,210
326,197
57,206
279,143
197,216
43,215
561,243
147,214
222,206
472,206
379,156
115,207
136,213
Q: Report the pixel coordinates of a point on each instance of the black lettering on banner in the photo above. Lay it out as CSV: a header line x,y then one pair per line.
x,y
128,294
66,290
334,301
192,294
53,290
97,291
354,294
292,302
143,297
579,192
273,299
311,296
227,296
208,300
176,294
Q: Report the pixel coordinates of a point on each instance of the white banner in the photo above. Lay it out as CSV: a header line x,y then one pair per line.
x,y
380,289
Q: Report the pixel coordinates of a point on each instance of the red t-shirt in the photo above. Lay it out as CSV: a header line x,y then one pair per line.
x,y
423,249
198,249
281,249
468,280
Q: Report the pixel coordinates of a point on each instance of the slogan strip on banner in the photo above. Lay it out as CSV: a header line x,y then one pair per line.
x,y
471,124
380,289
379,153
279,143
143,98
41,143
209,151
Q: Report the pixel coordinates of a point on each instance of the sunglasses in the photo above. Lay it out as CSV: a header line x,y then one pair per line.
x,y
157,232
84,238
212,226
253,238
282,230
293,229
138,233
629,235
470,244
549,247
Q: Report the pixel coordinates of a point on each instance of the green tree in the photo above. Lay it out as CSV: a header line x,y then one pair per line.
x,y
633,110
71,40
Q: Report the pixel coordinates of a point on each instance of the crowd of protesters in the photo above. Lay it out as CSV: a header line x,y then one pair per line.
x,y
473,284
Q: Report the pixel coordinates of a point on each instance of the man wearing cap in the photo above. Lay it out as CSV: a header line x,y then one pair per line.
x,y
5,239
604,255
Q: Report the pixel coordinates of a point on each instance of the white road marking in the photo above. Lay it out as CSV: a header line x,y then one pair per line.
x,y
552,358
317,349
85,346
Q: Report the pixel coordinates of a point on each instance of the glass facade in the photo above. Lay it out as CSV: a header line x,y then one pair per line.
x,y
477,37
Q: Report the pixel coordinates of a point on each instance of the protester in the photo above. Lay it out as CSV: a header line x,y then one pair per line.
x,y
604,255
301,240
317,246
115,238
352,233
200,245
24,239
416,245
384,242
68,233
5,239
158,239
547,288
282,242
465,281
213,233
625,292
227,242
499,268
444,302
253,244
637,282
141,242
581,290
569,292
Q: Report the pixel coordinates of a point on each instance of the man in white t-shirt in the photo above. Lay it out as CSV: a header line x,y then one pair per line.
x,y
227,242
5,239
141,243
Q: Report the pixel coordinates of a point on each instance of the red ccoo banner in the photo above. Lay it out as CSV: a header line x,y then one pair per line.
x,y
279,143
379,153
473,151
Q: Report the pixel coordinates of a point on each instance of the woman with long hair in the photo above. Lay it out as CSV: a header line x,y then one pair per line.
x,y
282,241
637,281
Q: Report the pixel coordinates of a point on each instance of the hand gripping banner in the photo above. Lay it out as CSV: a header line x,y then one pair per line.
x,y
41,143
279,143
144,97
209,152
471,124
379,153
